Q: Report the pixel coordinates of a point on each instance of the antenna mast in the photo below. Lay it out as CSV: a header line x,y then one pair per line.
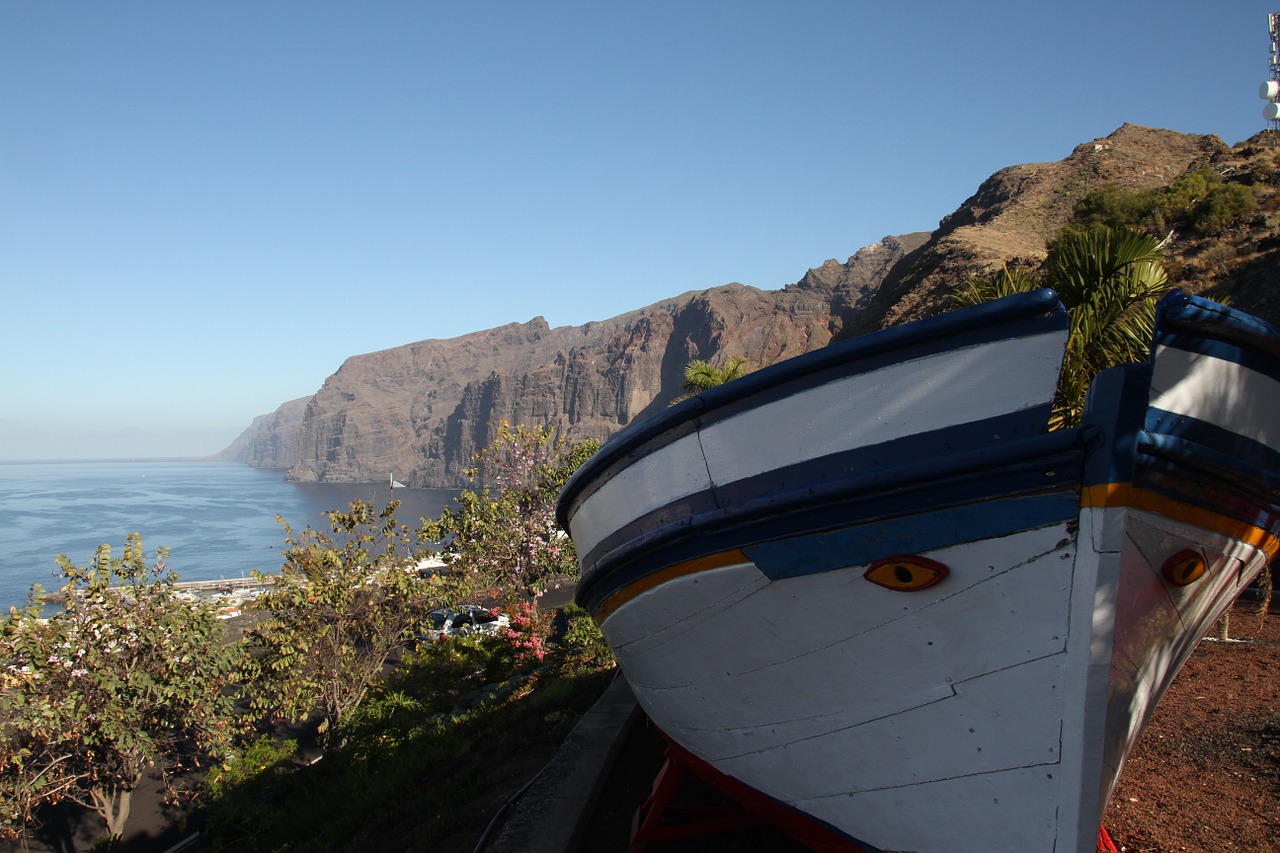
x,y
1270,90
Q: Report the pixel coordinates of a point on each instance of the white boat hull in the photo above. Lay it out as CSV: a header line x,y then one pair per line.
x,y
944,651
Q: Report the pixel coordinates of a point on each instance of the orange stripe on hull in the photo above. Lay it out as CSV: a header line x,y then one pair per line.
x,y
648,582
1098,497
1127,495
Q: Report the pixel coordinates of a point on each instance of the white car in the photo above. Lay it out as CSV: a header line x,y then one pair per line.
x,y
463,620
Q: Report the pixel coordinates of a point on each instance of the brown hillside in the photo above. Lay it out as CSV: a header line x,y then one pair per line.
x,y
422,410
1015,211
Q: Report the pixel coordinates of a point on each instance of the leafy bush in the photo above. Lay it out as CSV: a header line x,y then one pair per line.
x,y
1114,207
1199,201
1225,206
418,755
261,756
130,675
411,755
340,606
503,539
585,648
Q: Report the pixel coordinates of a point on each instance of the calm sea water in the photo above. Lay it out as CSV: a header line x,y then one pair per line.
x,y
218,520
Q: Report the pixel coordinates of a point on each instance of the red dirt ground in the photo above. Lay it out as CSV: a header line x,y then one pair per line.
x,y
1206,774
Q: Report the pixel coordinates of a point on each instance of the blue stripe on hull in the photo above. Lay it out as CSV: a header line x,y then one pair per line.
x,y
1185,440
935,455
1045,474
929,531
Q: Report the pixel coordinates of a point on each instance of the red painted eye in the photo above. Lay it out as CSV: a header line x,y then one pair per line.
x,y
1183,568
907,574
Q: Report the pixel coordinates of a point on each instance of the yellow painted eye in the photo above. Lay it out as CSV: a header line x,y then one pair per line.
x,y
906,573
1183,568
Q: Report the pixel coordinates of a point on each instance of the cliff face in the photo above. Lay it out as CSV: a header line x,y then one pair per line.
x,y
271,441
421,411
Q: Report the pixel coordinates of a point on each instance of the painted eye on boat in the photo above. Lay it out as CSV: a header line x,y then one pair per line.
x,y
907,574
1183,568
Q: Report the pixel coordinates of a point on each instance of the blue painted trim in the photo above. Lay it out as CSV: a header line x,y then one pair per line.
x,y
1021,315
1248,357
852,546
1116,416
1044,465
899,462
1113,418
1180,314
1174,436
1209,478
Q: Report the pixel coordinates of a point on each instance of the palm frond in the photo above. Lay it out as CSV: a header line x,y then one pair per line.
x,y
1004,283
701,375
1109,281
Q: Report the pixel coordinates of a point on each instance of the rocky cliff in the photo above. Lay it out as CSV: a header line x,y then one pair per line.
x,y
422,410
271,441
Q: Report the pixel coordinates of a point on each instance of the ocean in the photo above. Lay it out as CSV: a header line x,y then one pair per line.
x,y
217,519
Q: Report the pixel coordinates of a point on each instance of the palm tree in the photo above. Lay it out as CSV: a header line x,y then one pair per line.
x,y
700,375
1109,280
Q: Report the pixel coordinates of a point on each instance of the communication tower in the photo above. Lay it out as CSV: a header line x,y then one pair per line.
x,y
1270,90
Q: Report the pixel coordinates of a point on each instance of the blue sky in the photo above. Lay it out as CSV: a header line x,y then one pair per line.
x,y
206,207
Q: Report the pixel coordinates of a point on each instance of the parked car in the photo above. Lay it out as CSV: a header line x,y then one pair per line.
x,y
463,620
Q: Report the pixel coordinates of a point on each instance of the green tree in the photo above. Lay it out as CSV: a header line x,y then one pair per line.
x,y
131,675
1109,280
700,375
502,538
339,607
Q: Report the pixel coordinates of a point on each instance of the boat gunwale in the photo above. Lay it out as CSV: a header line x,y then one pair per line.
x,y
892,465
1034,312
1181,315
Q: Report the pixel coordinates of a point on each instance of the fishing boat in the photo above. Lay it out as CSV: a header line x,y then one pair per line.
x,y
870,594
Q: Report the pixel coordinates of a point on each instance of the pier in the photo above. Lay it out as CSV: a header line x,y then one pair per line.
x,y
225,586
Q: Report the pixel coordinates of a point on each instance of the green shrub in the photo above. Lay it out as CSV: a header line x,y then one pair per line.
x,y
584,644
1225,206
261,756
1199,201
1114,207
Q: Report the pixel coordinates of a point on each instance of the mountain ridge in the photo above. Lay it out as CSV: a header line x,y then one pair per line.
x,y
422,410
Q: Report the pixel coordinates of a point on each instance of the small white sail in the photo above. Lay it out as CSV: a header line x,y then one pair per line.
x,y
396,484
